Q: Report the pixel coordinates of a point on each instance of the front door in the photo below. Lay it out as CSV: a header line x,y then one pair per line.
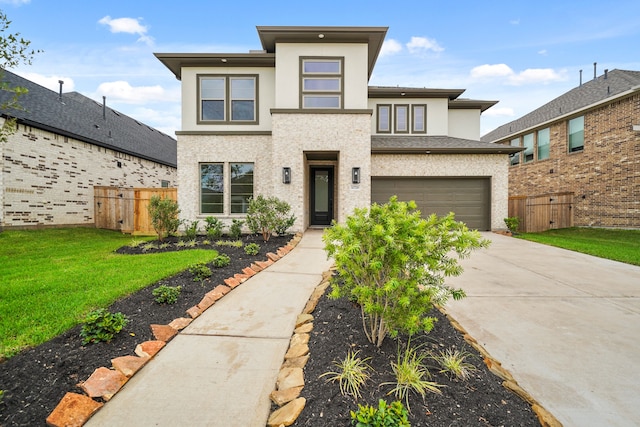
x,y
321,195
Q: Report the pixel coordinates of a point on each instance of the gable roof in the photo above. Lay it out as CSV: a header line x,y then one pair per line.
x,y
76,116
609,86
435,144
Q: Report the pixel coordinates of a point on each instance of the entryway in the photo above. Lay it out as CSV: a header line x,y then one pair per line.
x,y
321,194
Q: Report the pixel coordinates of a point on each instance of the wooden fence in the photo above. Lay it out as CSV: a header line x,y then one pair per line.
x,y
125,209
543,212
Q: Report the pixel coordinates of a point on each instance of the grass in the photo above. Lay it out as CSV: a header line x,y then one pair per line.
x,y
50,279
352,373
614,244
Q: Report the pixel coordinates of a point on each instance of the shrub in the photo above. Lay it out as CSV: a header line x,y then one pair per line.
x,y
352,373
191,229
268,216
200,271
252,249
512,223
213,227
101,325
221,260
235,231
164,216
231,243
149,247
166,294
393,264
385,415
453,362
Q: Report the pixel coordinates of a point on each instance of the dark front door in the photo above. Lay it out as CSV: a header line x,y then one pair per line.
x,y
321,195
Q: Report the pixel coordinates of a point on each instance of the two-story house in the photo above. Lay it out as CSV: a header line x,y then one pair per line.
x,y
298,120
585,142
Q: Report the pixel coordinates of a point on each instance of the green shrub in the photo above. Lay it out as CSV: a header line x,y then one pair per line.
x,y
149,247
164,216
200,271
101,325
393,263
385,415
166,294
512,223
191,229
213,227
352,373
269,215
231,243
221,260
453,362
252,249
235,231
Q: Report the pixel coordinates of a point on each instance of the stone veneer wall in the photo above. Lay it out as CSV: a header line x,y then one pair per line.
x,y
605,176
452,165
48,179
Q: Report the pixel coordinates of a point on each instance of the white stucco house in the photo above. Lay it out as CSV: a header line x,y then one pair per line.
x,y
298,120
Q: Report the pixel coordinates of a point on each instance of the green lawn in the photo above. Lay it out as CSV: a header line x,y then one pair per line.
x,y
618,245
49,279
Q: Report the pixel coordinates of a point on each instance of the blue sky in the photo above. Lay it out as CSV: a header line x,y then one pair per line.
x,y
521,53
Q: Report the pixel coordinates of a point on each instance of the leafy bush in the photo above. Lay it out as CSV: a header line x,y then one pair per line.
x,y
213,227
512,223
393,264
385,415
221,260
200,271
454,363
191,229
269,215
235,231
352,373
166,294
252,249
164,216
101,325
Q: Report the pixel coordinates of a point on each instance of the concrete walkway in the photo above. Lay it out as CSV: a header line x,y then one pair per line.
x,y
566,325
220,370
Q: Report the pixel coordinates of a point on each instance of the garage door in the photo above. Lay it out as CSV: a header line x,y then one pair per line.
x,y
468,198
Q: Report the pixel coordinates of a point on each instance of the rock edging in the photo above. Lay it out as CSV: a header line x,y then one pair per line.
x,y
75,409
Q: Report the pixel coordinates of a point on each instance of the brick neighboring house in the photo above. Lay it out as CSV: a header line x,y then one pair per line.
x,y
298,120
587,142
65,145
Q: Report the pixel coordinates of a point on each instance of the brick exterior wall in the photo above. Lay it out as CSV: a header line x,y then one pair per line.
x,y
604,177
48,179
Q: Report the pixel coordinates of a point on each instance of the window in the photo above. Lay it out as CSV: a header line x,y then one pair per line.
x,y
576,134
543,144
515,157
384,118
527,141
212,188
164,183
401,118
419,121
228,99
241,186
321,83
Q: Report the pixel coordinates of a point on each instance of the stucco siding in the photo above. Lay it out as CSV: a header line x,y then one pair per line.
x,y
464,124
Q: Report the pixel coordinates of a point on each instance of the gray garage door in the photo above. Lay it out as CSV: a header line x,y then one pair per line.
x,y
468,198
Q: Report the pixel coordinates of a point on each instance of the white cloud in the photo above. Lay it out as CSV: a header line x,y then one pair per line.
x,y
499,112
50,82
515,21
390,47
528,76
122,91
15,2
490,71
542,52
422,44
127,25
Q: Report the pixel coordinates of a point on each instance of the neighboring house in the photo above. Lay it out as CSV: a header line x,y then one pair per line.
x,y
297,120
586,142
65,145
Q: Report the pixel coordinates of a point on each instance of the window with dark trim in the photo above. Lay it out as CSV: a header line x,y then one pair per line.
x,y
228,99
419,118
213,193
576,134
527,142
241,186
401,118
321,82
543,143
383,118
514,158
212,188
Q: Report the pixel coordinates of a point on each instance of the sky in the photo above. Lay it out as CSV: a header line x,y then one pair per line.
x,y
520,53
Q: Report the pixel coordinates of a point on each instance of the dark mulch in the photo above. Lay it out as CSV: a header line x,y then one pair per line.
x,y
35,380
479,401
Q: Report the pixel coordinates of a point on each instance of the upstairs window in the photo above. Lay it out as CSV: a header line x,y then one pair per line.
x,y
527,141
228,99
401,118
543,144
515,157
321,82
419,118
576,134
384,118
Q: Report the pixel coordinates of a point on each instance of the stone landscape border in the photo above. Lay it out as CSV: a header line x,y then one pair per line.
x,y
75,409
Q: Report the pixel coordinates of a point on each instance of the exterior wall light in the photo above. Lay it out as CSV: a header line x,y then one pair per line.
x,y
286,175
355,175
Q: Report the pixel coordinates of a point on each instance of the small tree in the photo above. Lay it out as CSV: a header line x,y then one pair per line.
x,y
393,263
164,216
269,215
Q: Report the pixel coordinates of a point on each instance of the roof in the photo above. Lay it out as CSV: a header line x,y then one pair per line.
x,y
435,144
175,61
604,89
76,116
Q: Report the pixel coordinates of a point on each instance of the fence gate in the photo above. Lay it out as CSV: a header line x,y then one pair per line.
x,y
125,209
542,212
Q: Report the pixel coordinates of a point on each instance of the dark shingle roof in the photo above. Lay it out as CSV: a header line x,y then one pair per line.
x,y
590,93
76,116
435,144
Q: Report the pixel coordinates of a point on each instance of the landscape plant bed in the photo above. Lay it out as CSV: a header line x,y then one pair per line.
x,y
479,401
36,379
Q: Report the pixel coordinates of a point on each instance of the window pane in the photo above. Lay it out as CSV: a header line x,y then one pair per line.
x,y
242,110
321,101
527,141
243,89
401,119
418,118
321,84
211,188
576,134
543,144
383,118
241,186
322,67
212,110
515,157
212,88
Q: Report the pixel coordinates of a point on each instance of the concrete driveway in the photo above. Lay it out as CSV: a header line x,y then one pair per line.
x,y
566,325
